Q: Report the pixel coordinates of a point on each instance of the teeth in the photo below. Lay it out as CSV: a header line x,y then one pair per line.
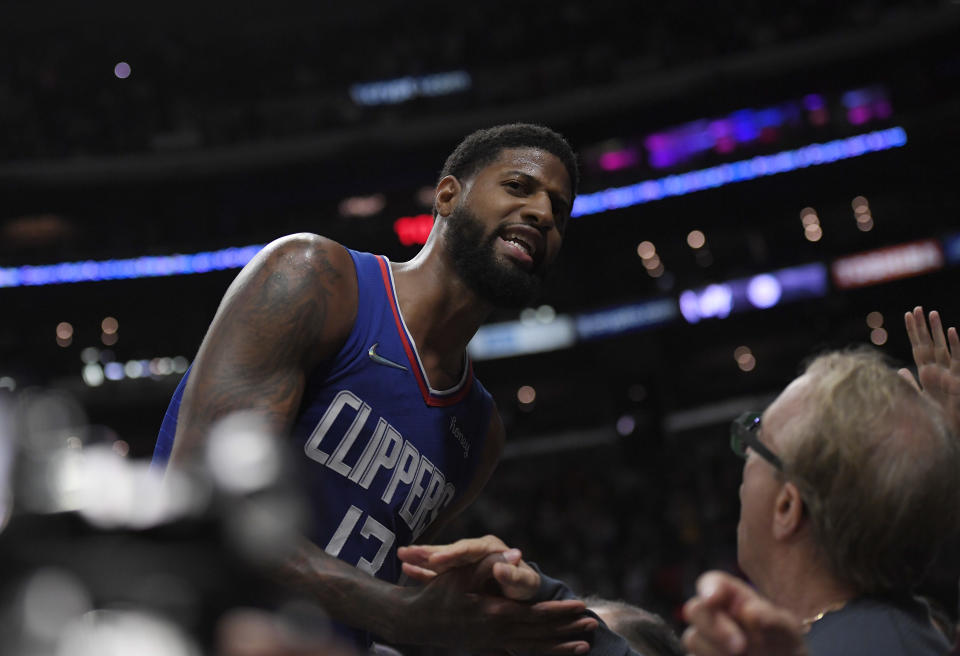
x,y
522,244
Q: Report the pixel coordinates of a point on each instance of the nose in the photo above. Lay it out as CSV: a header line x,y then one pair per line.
x,y
539,209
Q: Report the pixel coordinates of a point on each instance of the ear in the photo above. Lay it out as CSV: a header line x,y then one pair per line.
x,y
447,194
788,513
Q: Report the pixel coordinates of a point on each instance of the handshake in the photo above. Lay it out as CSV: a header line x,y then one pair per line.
x,y
726,616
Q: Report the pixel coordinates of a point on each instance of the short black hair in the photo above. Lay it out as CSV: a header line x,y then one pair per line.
x,y
483,147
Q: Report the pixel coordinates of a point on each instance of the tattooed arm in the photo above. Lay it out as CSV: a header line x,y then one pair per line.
x,y
290,308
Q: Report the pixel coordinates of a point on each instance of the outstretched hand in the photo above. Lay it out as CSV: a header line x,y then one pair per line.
x,y
728,617
937,357
474,595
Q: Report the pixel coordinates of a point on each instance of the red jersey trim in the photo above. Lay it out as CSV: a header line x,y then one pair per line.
x,y
432,399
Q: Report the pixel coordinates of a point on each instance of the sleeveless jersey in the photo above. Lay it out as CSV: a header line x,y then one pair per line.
x,y
381,453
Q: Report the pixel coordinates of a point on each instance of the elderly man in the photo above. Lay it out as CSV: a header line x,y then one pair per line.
x,y
850,486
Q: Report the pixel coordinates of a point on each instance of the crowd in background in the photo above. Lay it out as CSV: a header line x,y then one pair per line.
x,y
281,80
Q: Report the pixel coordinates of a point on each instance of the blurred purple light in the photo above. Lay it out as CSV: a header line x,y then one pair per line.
x,y
679,184
725,144
626,425
689,306
618,159
882,109
813,102
856,98
113,371
764,291
122,70
714,301
819,117
803,281
859,115
745,126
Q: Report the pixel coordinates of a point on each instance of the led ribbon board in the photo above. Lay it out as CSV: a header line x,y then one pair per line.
x,y
594,203
138,267
720,300
741,171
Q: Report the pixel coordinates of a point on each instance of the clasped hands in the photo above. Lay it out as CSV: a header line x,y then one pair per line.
x,y
487,591
726,616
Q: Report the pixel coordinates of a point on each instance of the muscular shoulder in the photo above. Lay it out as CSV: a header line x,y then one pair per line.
x,y
307,258
301,288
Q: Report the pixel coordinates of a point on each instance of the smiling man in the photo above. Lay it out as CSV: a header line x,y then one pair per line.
x,y
362,362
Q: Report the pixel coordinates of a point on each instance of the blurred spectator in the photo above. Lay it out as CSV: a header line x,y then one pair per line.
x,y
646,632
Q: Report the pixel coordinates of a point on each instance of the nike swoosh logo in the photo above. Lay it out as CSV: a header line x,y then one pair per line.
x,y
379,359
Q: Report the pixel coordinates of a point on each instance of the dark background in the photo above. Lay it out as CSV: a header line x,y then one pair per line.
x,y
236,127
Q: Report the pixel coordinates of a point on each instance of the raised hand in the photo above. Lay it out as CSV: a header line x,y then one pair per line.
x,y
729,618
937,357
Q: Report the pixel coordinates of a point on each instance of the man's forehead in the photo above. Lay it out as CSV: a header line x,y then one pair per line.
x,y
789,406
531,161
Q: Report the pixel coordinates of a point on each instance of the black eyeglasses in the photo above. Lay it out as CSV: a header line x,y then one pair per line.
x,y
743,434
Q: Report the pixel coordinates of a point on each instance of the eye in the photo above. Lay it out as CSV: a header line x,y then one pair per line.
x,y
560,215
513,184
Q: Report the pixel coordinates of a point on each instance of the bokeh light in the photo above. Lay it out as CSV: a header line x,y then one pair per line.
x,y
878,336
646,249
526,395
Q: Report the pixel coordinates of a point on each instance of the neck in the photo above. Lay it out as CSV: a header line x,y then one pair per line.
x,y
806,587
441,312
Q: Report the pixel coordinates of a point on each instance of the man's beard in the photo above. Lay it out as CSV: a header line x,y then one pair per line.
x,y
500,282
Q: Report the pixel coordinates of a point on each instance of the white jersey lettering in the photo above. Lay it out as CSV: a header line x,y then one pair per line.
x,y
428,490
415,491
341,400
336,462
386,456
404,471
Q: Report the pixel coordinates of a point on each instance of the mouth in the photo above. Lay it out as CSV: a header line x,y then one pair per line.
x,y
523,244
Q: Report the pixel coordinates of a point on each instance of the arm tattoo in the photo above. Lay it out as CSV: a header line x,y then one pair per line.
x,y
273,323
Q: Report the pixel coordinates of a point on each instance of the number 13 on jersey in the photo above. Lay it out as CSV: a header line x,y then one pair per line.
x,y
371,528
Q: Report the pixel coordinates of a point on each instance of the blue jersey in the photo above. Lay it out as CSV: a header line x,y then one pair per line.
x,y
381,452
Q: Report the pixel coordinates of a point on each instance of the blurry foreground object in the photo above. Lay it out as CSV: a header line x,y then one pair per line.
x,y
100,555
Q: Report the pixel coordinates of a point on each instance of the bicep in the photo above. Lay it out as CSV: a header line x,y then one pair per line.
x,y
290,307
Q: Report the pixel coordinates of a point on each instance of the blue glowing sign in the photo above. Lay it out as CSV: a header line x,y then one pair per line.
x,y
624,319
510,338
743,170
140,267
400,90
758,292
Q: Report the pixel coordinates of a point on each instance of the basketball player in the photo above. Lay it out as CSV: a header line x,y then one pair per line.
x,y
362,361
